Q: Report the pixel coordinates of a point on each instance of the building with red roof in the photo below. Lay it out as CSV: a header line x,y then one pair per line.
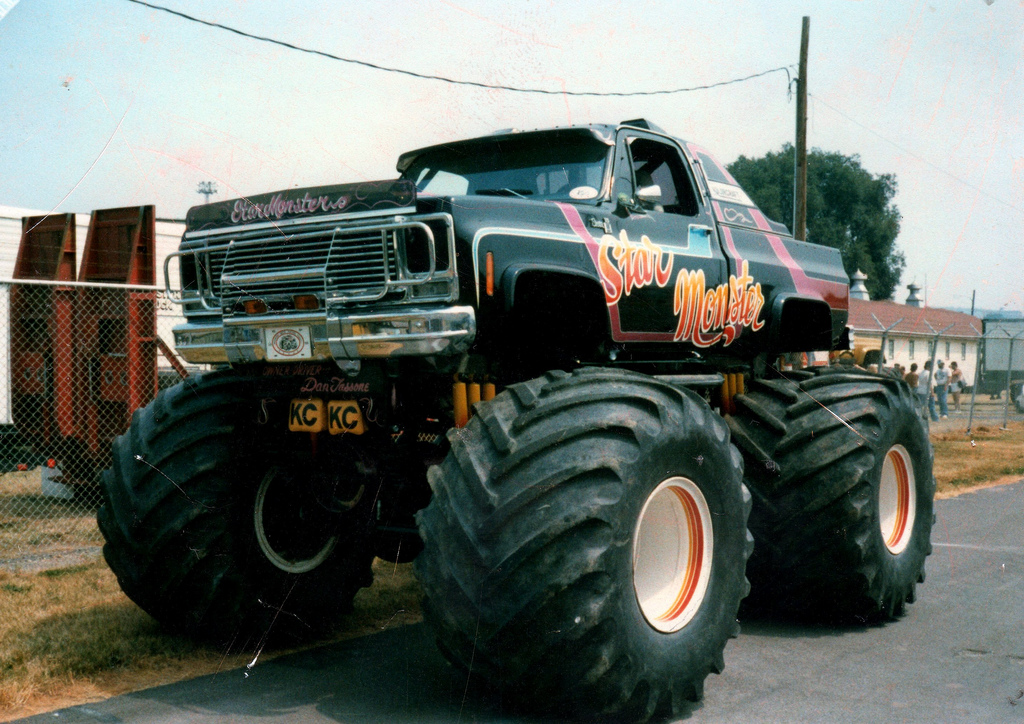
x,y
911,330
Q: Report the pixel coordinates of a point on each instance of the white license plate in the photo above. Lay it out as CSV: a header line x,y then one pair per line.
x,y
288,343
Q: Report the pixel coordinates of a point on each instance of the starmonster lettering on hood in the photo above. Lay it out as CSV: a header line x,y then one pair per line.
x,y
367,197
704,316
279,206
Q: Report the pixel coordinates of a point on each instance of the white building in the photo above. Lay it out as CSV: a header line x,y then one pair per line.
x,y
912,328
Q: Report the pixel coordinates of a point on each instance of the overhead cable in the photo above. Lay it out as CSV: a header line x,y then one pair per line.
x,y
453,81
913,155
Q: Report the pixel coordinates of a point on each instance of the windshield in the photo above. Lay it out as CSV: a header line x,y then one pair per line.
x,y
534,166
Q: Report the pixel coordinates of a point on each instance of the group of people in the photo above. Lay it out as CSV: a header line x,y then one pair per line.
x,y
932,389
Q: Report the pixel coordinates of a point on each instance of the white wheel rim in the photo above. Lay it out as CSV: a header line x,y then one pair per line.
x,y
673,546
263,537
897,499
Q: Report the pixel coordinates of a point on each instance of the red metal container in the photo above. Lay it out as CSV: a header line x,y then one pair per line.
x,y
41,319
115,329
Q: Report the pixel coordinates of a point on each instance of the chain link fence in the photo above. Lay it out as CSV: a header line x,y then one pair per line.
x,y
77,360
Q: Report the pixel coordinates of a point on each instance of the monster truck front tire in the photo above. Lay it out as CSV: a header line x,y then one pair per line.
x,y
585,547
840,468
209,522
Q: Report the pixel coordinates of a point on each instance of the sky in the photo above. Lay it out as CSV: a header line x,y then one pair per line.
x,y
109,103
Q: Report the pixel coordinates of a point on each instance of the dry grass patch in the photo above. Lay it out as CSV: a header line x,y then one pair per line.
x,y
989,456
32,523
69,636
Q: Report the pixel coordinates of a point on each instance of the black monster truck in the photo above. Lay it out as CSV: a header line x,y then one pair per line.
x,y
545,363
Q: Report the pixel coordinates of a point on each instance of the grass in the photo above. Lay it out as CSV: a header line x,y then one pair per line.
x,y
69,636
990,456
46,525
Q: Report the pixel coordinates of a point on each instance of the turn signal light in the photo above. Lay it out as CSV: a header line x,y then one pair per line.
x,y
306,302
254,306
490,274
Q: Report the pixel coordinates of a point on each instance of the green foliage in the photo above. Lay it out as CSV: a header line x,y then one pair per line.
x,y
848,208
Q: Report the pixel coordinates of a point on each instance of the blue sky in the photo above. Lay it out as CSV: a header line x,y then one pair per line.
x,y
108,103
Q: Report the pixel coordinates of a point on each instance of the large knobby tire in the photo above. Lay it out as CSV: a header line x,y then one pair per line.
x,y
840,468
585,547
209,522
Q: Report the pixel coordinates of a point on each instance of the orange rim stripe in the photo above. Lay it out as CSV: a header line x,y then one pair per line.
x,y
903,498
695,559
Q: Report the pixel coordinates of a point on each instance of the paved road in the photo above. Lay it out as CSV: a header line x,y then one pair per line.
x,y
958,656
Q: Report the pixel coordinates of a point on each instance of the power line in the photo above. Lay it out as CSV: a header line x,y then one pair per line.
x,y
453,81
925,161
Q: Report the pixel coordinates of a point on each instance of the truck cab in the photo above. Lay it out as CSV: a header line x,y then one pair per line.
x,y
598,244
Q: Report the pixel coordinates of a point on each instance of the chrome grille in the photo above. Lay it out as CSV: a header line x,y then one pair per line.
x,y
208,268
346,263
355,267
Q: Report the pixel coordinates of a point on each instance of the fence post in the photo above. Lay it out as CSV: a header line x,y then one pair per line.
x,y
1009,371
885,334
974,387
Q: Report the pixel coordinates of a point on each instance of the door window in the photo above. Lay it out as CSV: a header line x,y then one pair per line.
x,y
659,164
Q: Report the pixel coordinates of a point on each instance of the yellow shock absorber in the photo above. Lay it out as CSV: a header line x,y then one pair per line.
x,y
740,384
459,402
473,392
733,391
725,396
487,391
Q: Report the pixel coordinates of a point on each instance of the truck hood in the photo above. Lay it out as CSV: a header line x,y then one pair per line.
x,y
472,213
368,197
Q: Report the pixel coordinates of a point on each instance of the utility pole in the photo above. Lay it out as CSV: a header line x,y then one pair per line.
x,y
207,189
973,292
800,175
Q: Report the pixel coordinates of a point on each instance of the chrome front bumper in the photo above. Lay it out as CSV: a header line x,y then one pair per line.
x,y
333,335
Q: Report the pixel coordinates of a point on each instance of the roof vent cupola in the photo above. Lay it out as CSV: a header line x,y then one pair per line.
x,y
857,289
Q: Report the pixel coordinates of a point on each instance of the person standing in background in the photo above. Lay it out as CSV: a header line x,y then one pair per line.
x,y
911,377
924,390
956,384
941,388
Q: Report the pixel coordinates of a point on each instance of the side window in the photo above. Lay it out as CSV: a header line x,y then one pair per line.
x,y
659,164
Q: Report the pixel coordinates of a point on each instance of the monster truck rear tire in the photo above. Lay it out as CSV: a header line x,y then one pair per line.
x,y
208,522
840,468
585,547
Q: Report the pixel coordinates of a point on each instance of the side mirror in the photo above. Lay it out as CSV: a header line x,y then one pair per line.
x,y
647,198
626,206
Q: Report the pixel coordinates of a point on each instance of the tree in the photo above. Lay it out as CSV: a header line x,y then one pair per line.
x,y
848,208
